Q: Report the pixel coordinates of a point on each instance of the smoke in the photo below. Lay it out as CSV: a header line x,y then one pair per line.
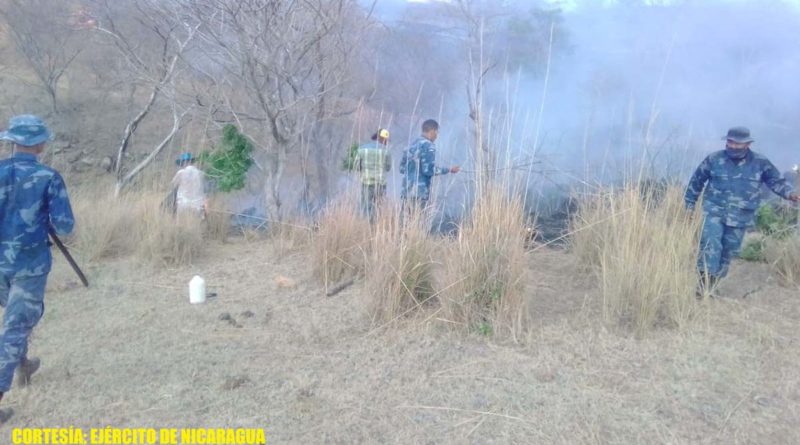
x,y
628,83
624,89
688,71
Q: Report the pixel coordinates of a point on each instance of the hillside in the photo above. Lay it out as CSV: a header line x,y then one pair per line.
x,y
278,354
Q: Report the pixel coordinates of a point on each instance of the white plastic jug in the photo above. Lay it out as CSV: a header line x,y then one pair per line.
x,y
197,290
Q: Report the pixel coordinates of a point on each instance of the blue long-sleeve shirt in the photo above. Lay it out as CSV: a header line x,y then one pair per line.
x,y
731,189
418,168
33,198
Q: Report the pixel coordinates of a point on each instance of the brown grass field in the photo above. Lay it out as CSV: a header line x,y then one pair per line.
x,y
131,351
474,338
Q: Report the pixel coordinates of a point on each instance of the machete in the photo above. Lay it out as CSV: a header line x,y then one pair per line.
x,y
69,258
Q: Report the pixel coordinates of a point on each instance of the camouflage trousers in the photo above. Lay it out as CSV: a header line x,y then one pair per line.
x,y
719,245
371,198
414,209
23,300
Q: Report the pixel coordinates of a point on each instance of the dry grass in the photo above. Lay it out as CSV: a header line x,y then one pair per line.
x,y
105,225
400,266
165,240
134,224
218,222
484,274
292,235
339,244
644,252
312,368
784,257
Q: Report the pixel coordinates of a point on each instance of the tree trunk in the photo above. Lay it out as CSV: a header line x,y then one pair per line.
x,y
51,91
126,180
305,195
272,185
797,190
129,130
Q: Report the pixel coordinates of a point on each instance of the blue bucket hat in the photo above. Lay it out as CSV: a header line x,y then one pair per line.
x,y
184,157
26,130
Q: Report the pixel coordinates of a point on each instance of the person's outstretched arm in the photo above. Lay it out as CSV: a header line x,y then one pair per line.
x,y
777,183
427,160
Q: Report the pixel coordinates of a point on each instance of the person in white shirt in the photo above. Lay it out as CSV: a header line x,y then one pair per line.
x,y
190,183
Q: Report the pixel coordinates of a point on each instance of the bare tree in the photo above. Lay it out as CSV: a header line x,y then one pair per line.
x,y
177,121
285,64
152,37
42,34
479,63
497,39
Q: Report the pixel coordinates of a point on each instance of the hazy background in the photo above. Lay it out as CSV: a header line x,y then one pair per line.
x,y
695,69
572,93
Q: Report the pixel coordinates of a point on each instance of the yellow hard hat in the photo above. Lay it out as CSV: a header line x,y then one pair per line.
x,y
384,133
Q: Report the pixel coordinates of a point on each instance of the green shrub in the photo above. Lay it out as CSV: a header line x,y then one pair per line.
x,y
771,223
753,250
228,164
349,161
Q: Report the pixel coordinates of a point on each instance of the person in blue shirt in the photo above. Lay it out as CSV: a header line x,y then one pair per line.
x,y
418,167
730,182
33,201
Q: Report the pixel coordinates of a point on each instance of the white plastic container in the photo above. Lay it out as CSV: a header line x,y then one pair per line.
x,y
197,290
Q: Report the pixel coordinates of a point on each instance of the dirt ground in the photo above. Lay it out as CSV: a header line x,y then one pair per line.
x,y
131,351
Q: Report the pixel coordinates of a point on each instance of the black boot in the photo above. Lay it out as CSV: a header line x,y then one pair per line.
x,y
707,285
26,369
5,414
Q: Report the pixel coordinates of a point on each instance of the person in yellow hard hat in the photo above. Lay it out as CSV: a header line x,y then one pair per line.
x,y
373,162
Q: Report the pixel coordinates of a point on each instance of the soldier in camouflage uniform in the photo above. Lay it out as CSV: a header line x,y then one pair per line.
x,y
730,182
33,200
373,161
418,167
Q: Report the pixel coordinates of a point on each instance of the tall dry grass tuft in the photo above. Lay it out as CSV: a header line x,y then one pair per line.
x,y
168,240
400,266
105,225
784,257
643,249
484,273
339,244
218,220
134,224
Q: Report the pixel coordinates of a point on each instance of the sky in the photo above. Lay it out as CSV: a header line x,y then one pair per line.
x,y
572,5
575,5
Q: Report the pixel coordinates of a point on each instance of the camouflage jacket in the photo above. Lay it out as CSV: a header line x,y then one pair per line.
x,y
418,167
373,161
33,198
733,187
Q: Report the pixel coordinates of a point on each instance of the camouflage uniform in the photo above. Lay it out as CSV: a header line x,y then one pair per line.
x,y
373,161
418,167
33,197
730,200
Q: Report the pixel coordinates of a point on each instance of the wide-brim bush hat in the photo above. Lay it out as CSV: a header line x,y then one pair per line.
x,y
26,130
